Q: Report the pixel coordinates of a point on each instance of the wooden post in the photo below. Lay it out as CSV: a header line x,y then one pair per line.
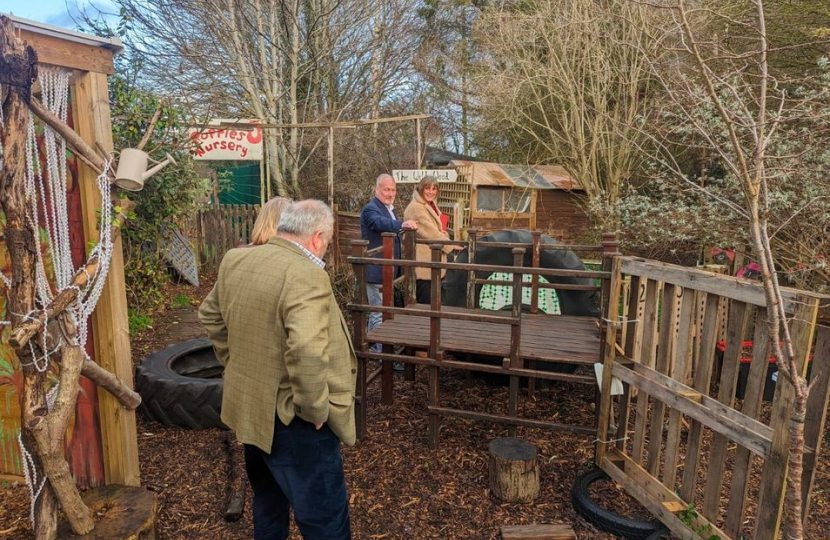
x,y
471,275
816,415
536,253
434,347
515,339
418,150
514,470
358,249
410,254
109,321
330,164
387,375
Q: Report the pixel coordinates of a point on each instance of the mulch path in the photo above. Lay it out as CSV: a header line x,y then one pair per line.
x,y
399,488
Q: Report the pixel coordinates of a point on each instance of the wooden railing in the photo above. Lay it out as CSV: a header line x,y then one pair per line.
x,y
513,366
686,418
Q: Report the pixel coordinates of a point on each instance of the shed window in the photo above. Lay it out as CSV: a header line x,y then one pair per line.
x,y
489,199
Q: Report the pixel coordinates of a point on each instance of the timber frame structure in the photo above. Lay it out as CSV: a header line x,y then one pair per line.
x,y
91,60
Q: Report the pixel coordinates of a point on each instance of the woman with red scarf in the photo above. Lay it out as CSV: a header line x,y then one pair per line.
x,y
432,225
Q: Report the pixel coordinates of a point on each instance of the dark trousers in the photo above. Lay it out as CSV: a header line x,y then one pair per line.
x,y
423,291
304,471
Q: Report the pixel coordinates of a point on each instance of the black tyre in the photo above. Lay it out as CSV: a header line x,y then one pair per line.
x,y
662,534
608,521
182,386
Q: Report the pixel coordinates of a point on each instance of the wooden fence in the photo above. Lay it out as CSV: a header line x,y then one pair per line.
x,y
218,229
687,441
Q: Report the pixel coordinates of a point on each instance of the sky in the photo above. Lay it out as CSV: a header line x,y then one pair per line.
x,y
54,12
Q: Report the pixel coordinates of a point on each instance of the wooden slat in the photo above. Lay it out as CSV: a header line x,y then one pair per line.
x,y
110,330
608,356
705,411
654,496
736,330
646,358
668,317
633,345
816,414
702,378
773,479
753,395
709,282
680,355
69,54
512,421
537,532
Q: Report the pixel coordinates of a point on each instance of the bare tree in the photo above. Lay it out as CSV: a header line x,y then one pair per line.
x,y
280,61
732,99
556,85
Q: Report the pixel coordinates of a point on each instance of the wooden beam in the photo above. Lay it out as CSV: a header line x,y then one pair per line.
x,y
109,321
700,280
69,54
348,124
537,532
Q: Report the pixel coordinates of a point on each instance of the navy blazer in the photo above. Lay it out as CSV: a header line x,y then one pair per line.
x,y
374,220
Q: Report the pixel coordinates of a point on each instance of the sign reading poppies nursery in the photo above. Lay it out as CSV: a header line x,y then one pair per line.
x,y
223,143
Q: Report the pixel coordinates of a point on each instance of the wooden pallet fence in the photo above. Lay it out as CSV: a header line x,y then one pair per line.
x,y
687,441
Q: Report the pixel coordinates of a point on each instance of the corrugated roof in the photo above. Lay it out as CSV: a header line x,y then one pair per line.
x,y
524,176
112,43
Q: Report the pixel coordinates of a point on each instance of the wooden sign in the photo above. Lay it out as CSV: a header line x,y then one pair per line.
x,y
220,143
413,176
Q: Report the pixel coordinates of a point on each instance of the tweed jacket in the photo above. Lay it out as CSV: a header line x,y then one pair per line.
x,y
276,327
374,220
429,228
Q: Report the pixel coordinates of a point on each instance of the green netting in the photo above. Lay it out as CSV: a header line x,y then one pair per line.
x,y
243,185
496,297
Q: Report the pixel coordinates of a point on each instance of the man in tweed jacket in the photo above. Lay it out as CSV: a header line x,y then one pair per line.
x,y
290,373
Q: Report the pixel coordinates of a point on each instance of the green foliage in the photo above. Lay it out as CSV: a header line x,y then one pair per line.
x,y
689,517
181,300
138,322
168,198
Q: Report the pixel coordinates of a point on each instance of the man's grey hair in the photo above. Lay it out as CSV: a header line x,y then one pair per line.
x,y
304,218
383,177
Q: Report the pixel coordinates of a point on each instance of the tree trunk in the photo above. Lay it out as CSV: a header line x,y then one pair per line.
x,y
514,470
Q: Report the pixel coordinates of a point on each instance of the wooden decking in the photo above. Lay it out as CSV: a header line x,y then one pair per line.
x,y
545,338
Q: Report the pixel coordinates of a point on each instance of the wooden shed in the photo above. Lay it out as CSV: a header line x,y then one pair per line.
x,y
492,196
101,445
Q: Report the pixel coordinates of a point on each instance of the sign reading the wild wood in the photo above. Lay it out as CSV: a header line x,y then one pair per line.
x,y
413,176
220,143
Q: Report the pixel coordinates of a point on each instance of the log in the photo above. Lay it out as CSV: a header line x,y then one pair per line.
x,y
237,479
121,512
537,532
514,470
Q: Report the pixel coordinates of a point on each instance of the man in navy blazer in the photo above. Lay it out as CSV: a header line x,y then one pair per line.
x,y
376,218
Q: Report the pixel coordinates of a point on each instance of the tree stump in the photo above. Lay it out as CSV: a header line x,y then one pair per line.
x,y
121,513
514,470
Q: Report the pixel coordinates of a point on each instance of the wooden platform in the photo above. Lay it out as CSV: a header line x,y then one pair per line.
x,y
547,338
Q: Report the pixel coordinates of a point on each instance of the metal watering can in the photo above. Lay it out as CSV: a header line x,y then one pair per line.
x,y
132,169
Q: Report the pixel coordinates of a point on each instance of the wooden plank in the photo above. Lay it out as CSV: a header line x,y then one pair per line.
x,y
109,321
816,414
731,287
609,354
753,395
64,53
668,317
537,532
633,346
773,479
735,332
702,379
680,355
653,496
513,421
750,433
647,359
